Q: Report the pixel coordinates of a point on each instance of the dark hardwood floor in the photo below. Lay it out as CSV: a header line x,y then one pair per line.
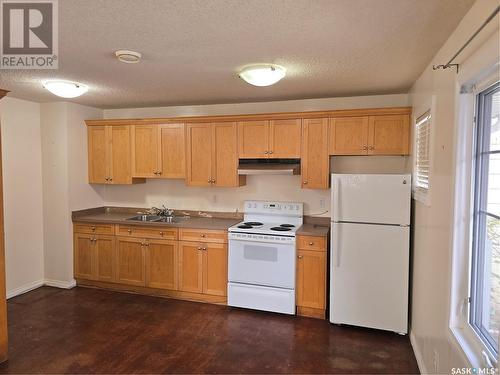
x,y
94,331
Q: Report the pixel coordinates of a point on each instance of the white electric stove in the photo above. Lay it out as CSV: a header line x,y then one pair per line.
x,y
262,257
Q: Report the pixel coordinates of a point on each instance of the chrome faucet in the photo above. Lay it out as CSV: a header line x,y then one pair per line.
x,y
164,211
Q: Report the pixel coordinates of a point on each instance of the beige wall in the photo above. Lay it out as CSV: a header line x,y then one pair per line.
x,y
434,345
174,194
65,187
22,182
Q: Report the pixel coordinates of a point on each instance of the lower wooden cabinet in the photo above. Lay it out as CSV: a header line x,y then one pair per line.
x,y
130,261
311,277
162,258
152,258
84,256
94,257
203,268
190,267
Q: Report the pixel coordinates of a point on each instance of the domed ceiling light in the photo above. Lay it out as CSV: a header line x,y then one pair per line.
x,y
66,89
262,75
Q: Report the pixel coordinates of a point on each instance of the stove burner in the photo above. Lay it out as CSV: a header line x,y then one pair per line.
x,y
287,225
252,223
280,229
245,226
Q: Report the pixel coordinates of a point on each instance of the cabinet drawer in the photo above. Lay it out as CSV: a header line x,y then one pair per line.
x,y
94,228
166,233
311,243
205,235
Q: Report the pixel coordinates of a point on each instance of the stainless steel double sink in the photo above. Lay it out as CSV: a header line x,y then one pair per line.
x,y
158,219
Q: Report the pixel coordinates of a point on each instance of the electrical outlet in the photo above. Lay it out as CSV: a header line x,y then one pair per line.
x,y
322,203
436,361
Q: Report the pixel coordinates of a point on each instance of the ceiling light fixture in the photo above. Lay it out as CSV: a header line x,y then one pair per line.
x,y
262,75
129,57
66,89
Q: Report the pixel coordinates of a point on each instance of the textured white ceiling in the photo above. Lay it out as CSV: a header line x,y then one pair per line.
x,y
193,49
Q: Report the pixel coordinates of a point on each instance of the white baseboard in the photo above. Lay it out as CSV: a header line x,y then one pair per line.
x,y
24,288
37,284
60,284
418,354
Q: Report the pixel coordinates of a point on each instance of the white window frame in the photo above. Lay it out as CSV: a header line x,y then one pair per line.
x,y
476,74
423,195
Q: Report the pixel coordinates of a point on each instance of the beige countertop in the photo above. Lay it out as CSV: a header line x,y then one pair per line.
x,y
313,230
116,217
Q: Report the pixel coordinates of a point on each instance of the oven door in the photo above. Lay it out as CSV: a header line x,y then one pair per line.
x,y
260,263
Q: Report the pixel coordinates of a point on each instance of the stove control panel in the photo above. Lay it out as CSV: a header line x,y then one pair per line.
x,y
261,238
270,207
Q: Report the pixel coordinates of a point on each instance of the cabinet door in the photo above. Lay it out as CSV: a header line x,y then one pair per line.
x,y
145,150
120,159
199,154
348,136
311,279
98,154
130,261
105,258
389,135
84,256
162,264
315,160
215,269
225,154
172,163
190,267
284,138
253,139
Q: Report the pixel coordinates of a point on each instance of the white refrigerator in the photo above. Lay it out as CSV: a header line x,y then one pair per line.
x,y
369,260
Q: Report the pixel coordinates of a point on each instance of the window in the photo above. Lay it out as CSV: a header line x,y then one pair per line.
x,y
422,157
484,314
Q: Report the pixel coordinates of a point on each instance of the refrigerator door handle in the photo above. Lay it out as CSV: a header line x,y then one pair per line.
x,y
336,198
336,246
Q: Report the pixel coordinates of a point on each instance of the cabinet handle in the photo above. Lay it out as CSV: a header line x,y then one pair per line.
x,y
203,248
202,235
209,181
266,152
146,244
270,152
300,256
129,231
311,243
365,148
107,178
161,234
199,248
93,229
305,182
110,179
213,181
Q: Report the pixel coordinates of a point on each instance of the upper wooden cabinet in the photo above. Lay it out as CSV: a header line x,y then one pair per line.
x,y
348,136
212,156
269,139
109,155
314,161
158,151
389,135
370,135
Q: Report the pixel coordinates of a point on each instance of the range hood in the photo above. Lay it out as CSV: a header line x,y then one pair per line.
x,y
269,166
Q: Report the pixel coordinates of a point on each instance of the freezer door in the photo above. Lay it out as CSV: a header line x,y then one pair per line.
x,y
371,198
369,276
